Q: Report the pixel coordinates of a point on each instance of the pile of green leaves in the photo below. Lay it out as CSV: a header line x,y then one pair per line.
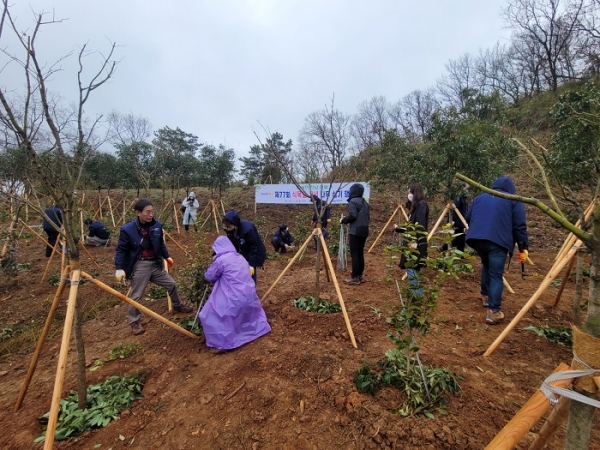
x,y
105,403
404,374
6,332
321,306
562,336
273,255
156,292
121,351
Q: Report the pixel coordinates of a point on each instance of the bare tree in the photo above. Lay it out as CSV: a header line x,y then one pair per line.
x,y
371,122
412,114
459,76
50,133
549,28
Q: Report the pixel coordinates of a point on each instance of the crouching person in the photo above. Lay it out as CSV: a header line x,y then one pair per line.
x,y
98,235
283,240
233,315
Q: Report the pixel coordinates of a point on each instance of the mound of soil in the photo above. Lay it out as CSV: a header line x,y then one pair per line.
x,y
293,388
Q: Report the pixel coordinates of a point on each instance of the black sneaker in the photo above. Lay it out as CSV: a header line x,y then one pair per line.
x,y
354,281
136,327
183,309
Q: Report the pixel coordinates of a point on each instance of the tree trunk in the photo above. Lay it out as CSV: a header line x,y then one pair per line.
x,y
579,426
318,269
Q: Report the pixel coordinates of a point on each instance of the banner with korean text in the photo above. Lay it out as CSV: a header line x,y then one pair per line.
x,y
290,194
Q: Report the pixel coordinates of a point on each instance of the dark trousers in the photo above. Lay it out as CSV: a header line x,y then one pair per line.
x,y
459,241
52,237
357,253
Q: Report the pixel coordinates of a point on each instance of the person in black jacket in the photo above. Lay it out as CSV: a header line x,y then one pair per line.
x,y
358,230
246,240
419,217
51,224
283,240
98,235
462,205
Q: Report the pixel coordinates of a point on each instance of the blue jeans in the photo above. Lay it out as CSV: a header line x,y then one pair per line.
x,y
413,281
493,258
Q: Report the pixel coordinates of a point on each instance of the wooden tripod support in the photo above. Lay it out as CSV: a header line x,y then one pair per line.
x,y
387,224
317,232
76,275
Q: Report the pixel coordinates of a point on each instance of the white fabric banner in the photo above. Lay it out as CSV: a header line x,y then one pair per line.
x,y
290,194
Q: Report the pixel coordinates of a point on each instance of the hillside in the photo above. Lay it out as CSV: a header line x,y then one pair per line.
x,y
295,384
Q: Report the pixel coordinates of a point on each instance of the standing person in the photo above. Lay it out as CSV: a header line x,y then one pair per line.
x,y
358,230
232,315
98,235
246,240
283,240
191,208
325,218
418,215
139,256
52,217
495,225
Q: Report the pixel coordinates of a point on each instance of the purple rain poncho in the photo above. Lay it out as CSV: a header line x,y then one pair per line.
x,y
233,315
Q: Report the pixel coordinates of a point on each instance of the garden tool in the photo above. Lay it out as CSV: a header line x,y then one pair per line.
x,y
200,304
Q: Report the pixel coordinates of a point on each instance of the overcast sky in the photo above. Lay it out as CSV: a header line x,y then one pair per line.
x,y
217,68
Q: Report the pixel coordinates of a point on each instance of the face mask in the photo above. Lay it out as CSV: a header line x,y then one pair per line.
x,y
410,197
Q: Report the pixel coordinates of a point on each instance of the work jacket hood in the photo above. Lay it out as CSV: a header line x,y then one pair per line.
x,y
356,190
233,217
505,184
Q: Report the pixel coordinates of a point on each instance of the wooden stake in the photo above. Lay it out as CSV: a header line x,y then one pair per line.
x,y
176,216
169,302
507,285
214,209
554,271
571,238
526,417
337,289
437,224
85,250
47,325
296,256
385,227
558,414
326,266
50,259
135,304
176,243
81,223
222,207
62,360
404,212
565,279
111,211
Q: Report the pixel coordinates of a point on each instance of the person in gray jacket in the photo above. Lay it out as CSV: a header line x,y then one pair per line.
x,y
358,230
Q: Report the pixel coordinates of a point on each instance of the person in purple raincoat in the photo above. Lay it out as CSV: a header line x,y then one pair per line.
x,y
232,315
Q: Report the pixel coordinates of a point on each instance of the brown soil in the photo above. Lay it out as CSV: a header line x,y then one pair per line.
x,y
306,360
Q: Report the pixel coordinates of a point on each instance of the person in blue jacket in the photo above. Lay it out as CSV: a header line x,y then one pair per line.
x,y
52,222
98,235
140,253
283,241
495,225
246,240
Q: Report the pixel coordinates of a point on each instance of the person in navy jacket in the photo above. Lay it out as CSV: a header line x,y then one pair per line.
x,y
140,256
98,235
495,225
51,224
283,240
246,240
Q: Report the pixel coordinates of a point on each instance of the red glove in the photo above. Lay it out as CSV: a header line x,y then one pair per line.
x,y
170,263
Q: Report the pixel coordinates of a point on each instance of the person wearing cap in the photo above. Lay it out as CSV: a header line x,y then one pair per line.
x,y
98,235
189,207
140,253
358,230
246,240
283,240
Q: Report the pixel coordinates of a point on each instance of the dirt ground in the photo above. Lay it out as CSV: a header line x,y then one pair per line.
x,y
306,360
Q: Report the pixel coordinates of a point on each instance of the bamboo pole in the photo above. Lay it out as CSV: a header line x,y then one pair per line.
x,y
214,209
507,286
296,256
385,227
101,205
177,243
111,211
526,417
85,250
338,291
551,275
571,238
47,325
176,216
565,279
63,254
62,360
222,207
404,213
135,304
166,206
169,301
326,268
558,414
50,259
36,233
437,224
81,223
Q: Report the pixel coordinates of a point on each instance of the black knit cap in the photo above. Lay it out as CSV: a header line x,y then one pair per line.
x,y
283,227
141,204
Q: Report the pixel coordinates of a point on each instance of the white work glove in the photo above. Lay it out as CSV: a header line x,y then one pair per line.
x,y
120,275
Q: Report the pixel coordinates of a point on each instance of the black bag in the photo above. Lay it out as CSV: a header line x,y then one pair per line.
x,y
182,209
